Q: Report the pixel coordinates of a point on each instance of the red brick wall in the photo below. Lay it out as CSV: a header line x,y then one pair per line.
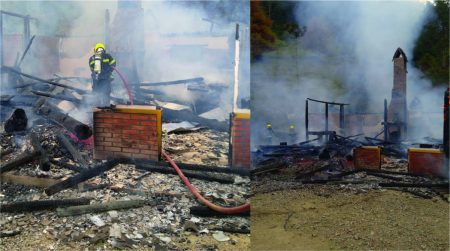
x,y
240,148
367,157
423,162
124,134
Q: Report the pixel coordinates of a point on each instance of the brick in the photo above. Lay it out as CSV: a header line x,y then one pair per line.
x,y
151,152
142,146
122,155
99,148
143,156
140,117
113,149
102,115
121,126
120,116
103,125
103,134
139,137
139,127
104,143
98,129
150,123
130,150
130,132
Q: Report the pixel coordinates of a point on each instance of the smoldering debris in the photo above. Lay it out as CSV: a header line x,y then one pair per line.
x,y
162,209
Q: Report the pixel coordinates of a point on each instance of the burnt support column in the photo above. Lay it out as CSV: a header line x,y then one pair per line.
x,y
26,31
1,38
446,124
385,122
306,120
326,117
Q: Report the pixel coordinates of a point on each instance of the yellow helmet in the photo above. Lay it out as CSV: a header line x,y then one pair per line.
x,y
99,45
268,125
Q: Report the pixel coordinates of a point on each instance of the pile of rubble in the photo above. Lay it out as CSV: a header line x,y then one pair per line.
x,y
120,204
306,165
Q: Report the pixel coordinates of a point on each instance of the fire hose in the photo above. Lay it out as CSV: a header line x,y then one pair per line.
x,y
225,210
125,83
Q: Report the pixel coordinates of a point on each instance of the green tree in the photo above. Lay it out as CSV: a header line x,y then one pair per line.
x,y
263,38
431,51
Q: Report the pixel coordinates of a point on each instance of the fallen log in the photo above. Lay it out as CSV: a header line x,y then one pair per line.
x,y
21,159
146,194
37,205
74,126
28,180
176,82
232,230
83,176
96,208
60,97
64,141
201,176
44,163
384,176
199,168
272,166
17,122
43,80
9,233
5,152
206,212
69,166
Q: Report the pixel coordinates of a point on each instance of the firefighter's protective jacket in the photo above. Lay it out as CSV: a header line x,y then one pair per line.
x,y
108,62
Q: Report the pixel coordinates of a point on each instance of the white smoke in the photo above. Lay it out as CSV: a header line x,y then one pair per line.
x,y
347,44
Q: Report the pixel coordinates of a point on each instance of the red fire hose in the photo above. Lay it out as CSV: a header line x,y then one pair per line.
x,y
225,210
125,83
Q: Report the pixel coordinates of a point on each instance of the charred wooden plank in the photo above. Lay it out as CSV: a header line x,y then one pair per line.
x,y
37,205
67,165
5,152
201,176
65,142
232,230
83,176
28,180
384,176
95,208
43,80
196,167
9,233
206,212
44,162
81,130
21,159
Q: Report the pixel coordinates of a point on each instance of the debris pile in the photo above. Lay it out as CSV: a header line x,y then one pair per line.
x,y
336,162
117,203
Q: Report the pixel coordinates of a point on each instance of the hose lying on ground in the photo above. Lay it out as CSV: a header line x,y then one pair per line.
x,y
225,210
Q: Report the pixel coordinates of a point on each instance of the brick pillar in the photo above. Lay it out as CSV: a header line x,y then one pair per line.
x,y
367,157
240,139
128,131
397,112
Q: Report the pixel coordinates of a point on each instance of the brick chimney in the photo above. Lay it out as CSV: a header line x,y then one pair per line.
x,y
397,112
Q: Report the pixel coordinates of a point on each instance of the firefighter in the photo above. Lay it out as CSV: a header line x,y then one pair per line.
x,y
101,64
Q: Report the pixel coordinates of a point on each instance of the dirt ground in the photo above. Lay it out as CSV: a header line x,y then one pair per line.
x,y
328,218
